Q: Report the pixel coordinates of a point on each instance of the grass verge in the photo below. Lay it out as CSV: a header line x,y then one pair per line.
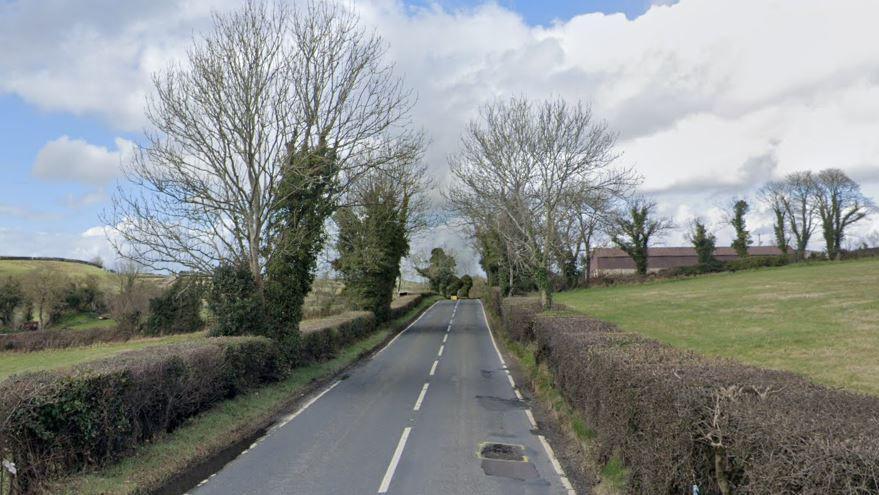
x,y
152,466
611,476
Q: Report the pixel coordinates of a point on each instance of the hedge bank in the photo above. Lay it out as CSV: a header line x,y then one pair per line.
x,y
679,419
56,422
61,338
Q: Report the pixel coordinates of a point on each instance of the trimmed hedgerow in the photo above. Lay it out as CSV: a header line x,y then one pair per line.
x,y
322,339
55,422
679,419
39,340
404,304
517,316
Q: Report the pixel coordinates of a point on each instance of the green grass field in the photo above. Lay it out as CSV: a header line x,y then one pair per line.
x,y
21,362
819,320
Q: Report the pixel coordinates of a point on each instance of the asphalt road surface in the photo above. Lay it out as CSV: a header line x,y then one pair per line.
x,y
415,419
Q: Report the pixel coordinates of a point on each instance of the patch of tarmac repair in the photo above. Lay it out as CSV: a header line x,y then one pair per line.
x,y
517,470
498,404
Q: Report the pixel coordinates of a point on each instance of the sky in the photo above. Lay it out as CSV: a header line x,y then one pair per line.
x,y
710,98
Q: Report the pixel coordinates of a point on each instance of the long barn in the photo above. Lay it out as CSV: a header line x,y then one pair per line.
x,y
614,261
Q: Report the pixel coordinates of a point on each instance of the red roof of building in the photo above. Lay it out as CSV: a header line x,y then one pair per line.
x,y
686,251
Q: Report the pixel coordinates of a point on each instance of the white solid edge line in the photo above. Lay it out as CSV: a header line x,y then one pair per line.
x,y
421,397
392,467
518,394
306,405
491,334
556,465
531,418
407,328
433,368
440,353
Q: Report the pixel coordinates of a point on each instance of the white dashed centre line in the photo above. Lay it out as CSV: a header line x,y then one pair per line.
x,y
445,338
440,353
421,397
395,460
433,368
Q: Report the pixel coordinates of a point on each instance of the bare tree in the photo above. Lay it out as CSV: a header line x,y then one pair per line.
x,y
43,288
635,228
521,162
840,204
801,207
266,83
775,196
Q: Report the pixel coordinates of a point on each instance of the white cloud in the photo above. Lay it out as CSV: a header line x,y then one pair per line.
x,y
710,97
75,160
83,246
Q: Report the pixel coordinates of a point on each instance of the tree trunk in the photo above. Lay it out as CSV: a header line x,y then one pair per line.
x,y
720,470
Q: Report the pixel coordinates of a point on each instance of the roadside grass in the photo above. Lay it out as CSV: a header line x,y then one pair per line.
x,y
21,362
611,477
819,320
205,435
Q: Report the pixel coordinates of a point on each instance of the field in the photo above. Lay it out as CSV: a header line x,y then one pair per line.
x,y
819,320
20,362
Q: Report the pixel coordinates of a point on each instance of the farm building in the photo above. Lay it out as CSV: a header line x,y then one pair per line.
x,y
614,261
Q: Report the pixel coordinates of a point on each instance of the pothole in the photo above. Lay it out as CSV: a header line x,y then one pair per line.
x,y
502,451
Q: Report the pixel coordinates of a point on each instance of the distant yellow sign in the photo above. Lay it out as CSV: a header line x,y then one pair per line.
x,y
454,298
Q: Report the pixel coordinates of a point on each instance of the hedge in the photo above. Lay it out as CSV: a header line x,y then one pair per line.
x,y
55,422
323,338
404,304
60,338
679,419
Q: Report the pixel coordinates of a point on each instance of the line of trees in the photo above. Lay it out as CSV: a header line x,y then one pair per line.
x,y
802,202
282,121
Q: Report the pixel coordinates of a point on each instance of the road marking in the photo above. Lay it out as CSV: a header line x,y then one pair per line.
x,y
518,394
549,452
491,334
531,418
421,397
555,465
433,368
306,405
445,338
440,353
389,474
407,328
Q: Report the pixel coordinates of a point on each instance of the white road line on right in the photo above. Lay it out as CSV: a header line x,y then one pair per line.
x,y
433,368
421,397
395,460
549,452
555,465
531,418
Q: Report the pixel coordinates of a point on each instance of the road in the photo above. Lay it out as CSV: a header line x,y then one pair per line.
x,y
411,420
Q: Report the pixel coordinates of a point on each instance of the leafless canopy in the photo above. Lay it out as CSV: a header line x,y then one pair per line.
x,y
265,82
523,165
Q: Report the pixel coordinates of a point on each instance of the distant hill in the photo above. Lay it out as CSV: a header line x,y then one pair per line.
x,y
17,266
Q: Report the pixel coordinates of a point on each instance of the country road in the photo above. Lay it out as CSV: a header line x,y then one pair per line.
x,y
411,420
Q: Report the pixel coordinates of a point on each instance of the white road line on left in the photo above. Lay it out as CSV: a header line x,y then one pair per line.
x,y
421,397
306,405
405,329
392,467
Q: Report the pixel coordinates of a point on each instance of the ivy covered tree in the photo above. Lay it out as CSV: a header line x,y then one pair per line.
x,y
235,301
374,234
177,309
11,297
704,242
634,229
466,285
743,236
440,272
